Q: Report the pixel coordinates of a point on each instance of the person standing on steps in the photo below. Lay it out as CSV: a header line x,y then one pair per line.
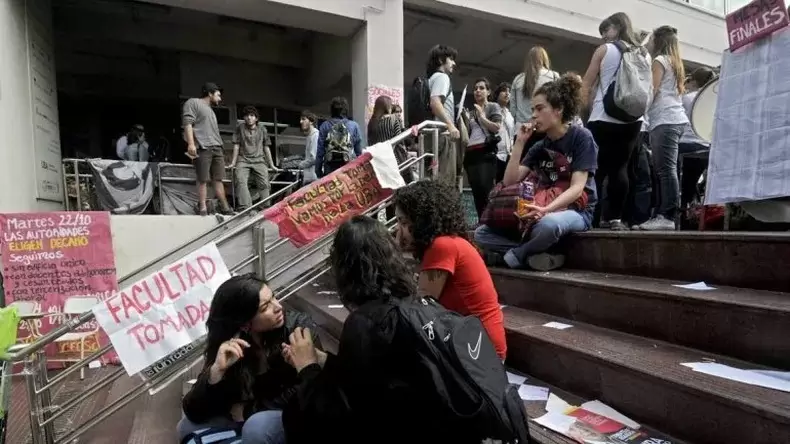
x,y
204,146
339,139
253,159
441,63
307,125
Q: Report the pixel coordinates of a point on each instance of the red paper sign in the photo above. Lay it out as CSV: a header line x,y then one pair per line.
x,y
325,204
755,21
50,257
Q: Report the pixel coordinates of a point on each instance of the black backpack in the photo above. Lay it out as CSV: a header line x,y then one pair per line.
x,y
338,144
419,107
469,383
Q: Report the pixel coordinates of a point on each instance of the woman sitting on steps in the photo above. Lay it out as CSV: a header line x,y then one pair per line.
x,y
245,382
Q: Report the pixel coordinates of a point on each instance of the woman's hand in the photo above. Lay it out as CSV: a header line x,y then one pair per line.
x,y
301,351
479,110
524,132
229,353
534,212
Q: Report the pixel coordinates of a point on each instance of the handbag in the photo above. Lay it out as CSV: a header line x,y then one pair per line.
x,y
500,213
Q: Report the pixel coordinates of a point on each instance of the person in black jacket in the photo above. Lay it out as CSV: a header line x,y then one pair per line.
x,y
245,381
367,393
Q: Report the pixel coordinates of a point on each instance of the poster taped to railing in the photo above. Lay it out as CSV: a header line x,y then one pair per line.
x,y
325,204
164,311
53,260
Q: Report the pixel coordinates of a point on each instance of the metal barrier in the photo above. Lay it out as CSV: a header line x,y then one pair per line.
x,y
74,172
39,386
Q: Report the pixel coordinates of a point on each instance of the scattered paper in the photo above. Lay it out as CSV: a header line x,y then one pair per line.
x,y
515,379
699,286
785,376
604,410
94,364
555,404
736,374
337,306
315,284
556,421
327,292
502,306
192,382
557,325
533,393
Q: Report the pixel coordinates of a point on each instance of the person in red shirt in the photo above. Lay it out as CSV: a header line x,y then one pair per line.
x,y
432,226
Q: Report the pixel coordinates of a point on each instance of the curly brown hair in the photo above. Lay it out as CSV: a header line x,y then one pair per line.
x,y
434,209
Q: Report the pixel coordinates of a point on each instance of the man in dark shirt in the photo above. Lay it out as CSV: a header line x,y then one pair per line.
x,y
204,146
251,157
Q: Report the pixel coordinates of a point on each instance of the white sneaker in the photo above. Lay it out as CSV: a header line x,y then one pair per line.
x,y
658,223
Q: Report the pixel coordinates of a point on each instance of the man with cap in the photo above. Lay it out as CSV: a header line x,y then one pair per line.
x,y
204,146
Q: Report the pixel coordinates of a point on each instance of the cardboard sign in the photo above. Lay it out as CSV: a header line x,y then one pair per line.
x,y
165,311
755,21
51,257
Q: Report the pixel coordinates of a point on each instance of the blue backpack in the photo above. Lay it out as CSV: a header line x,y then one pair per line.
x,y
214,435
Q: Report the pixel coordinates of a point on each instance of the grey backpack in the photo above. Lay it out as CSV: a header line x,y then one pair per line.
x,y
628,96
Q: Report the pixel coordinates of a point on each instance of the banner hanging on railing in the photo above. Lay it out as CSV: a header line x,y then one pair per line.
x,y
322,206
54,259
165,311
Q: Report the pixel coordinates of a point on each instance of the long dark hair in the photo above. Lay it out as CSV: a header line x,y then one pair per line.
x,y
625,30
235,304
434,209
367,264
381,108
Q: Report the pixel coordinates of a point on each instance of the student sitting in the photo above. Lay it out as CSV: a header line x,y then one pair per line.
x,y
245,381
566,158
432,225
369,392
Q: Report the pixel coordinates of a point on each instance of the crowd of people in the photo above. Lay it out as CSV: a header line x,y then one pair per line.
x,y
560,138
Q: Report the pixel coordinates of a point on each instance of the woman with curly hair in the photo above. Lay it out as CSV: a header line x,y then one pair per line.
x,y
431,224
370,385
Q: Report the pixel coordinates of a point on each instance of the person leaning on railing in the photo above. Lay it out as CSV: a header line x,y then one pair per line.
x,y
245,382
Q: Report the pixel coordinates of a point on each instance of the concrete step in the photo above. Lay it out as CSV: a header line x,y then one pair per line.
x,y
748,324
643,378
740,259
316,300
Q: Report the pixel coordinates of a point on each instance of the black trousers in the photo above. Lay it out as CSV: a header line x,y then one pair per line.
x,y
481,169
616,144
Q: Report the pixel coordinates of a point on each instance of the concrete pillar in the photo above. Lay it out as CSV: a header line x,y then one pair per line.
x,y
377,59
30,159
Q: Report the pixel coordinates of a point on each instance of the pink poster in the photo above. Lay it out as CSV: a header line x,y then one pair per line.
x,y
54,259
755,21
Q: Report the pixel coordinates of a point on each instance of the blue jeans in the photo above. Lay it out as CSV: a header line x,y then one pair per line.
x,y
545,233
664,141
261,428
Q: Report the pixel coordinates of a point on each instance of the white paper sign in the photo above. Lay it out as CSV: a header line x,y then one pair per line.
x,y
164,311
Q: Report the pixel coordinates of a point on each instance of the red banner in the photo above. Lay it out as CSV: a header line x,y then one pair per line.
x,y
325,204
49,258
755,21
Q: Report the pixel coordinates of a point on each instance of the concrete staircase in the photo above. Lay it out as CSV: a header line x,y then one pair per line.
x,y
632,329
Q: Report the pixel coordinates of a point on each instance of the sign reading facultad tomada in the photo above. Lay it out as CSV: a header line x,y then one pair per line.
x,y
164,311
755,21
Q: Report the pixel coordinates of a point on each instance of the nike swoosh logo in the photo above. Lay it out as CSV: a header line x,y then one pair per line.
x,y
474,353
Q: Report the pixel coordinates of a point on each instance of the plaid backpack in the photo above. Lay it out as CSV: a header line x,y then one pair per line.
x,y
500,213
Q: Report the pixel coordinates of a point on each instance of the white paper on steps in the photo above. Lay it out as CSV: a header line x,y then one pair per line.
x,y
736,374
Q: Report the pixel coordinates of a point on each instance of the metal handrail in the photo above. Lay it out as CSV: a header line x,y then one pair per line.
x,y
76,322
191,359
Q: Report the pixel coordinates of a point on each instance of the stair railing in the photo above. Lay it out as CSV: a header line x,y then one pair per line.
x,y
43,414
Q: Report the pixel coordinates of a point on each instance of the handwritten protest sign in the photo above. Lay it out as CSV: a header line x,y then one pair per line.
x,y
376,91
755,21
51,257
167,310
325,204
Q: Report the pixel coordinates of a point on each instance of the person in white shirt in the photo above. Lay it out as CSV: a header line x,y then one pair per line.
x,y
307,125
507,131
132,146
667,121
616,139
537,71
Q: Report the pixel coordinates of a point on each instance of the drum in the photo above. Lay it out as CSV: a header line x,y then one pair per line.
x,y
703,110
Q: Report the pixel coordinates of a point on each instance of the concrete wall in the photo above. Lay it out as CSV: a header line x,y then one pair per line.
x,y
17,160
138,240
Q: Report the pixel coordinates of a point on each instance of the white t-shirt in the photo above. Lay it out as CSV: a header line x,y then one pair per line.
x,y
666,107
689,136
609,66
506,132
